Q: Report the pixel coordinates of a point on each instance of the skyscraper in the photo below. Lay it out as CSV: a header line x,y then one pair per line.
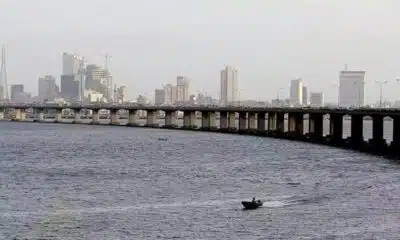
x,y
305,96
296,92
229,86
99,79
182,89
74,70
16,90
352,88
48,89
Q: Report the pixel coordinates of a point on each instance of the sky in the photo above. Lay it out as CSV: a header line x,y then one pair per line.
x,y
270,42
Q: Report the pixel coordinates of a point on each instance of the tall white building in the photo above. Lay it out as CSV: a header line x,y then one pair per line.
x,y
182,89
352,88
229,86
304,93
316,99
71,64
296,92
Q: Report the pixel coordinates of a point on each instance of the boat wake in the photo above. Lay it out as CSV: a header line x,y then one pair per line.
x,y
228,204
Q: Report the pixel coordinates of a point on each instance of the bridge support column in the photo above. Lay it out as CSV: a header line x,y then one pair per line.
x,y
261,122
315,121
377,133
208,120
151,118
96,116
242,121
77,116
395,146
356,131
189,119
170,119
251,120
132,117
232,120
19,114
336,128
280,122
223,120
58,116
40,116
114,117
272,121
296,126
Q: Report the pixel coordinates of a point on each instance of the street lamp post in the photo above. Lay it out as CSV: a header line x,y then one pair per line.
x,y
381,83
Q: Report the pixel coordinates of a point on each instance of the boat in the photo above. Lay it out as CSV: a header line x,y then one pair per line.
x,y
252,204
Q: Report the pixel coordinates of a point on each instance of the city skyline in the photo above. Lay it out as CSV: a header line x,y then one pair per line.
x,y
268,54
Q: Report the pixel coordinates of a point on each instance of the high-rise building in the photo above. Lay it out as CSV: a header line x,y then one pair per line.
x,y
72,64
70,87
352,88
73,69
229,86
16,90
159,96
100,80
121,93
296,92
316,99
182,89
305,96
48,89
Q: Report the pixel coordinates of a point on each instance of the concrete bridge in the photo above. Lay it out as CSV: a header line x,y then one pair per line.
x,y
261,121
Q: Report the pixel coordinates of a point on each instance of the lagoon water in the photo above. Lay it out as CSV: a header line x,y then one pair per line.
x,y
61,181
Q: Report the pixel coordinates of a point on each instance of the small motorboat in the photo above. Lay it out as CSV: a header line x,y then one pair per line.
x,y
252,204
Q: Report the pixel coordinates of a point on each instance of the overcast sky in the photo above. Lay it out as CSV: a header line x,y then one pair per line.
x,y
269,42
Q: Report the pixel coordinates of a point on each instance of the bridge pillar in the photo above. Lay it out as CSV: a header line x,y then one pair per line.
x,y
232,120
77,116
395,146
251,120
272,121
151,118
336,127
315,121
19,114
261,122
170,119
189,118
280,122
242,120
58,115
132,117
223,120
296,126
377,132
114,117
208,120
41,115
356,130
96,116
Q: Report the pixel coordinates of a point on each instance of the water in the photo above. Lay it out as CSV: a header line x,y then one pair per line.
x,y
97,182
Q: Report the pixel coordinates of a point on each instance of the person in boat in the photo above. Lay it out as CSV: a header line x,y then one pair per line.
x,y
254,200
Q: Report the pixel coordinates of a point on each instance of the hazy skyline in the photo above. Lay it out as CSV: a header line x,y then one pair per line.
x,y
153,41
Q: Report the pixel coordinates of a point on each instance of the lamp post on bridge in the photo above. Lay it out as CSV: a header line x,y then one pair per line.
x,y
381,83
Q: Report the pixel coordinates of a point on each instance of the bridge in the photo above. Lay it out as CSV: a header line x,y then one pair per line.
x,y
259,121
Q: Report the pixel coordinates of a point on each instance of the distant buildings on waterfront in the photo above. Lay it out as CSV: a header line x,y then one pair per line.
x,y
84,82
352,88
